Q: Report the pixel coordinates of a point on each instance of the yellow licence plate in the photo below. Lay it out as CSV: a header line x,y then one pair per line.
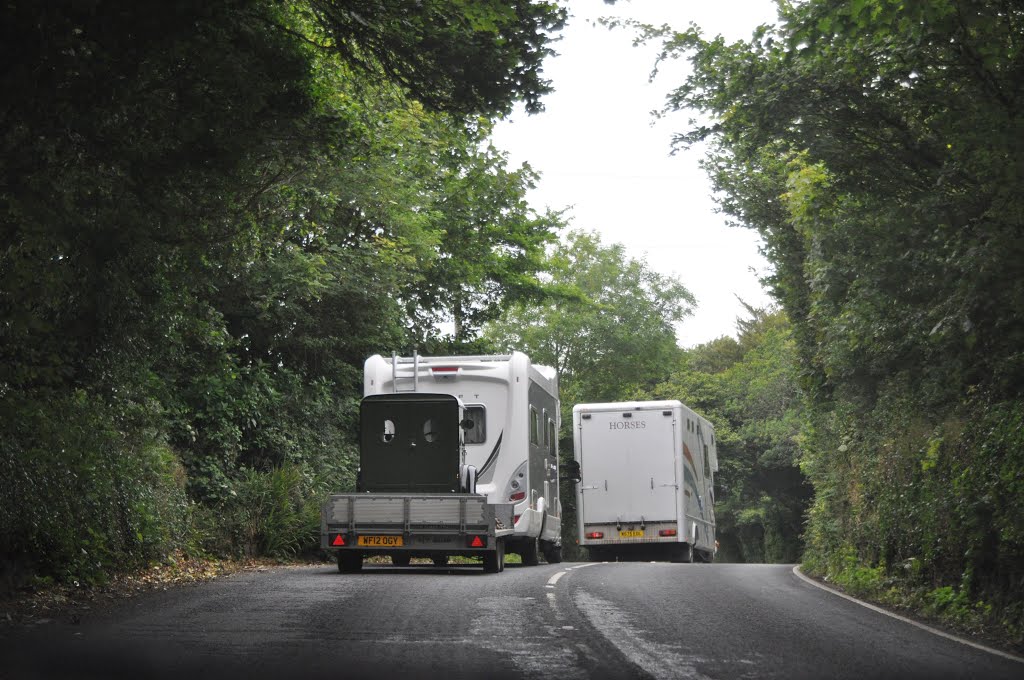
x,y
631,534
380,541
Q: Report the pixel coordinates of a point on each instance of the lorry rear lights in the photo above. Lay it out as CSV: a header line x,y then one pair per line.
x,y
444,371
667,532
338,540
477,541
595,534
515,519
517,496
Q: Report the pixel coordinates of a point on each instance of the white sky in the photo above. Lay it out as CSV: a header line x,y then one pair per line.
x,y
602,154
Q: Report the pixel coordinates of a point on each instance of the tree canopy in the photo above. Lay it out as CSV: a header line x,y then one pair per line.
x,y
877,148
211,213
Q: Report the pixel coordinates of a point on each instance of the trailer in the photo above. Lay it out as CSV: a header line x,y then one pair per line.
x,y
458,456
647,481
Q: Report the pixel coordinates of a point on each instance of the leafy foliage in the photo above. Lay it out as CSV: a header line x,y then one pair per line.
x,y
210,213
876,147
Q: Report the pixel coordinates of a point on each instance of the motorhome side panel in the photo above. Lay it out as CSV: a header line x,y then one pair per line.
x,y
543,456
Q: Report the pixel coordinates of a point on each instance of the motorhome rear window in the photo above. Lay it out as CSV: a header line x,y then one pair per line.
x,y
478,433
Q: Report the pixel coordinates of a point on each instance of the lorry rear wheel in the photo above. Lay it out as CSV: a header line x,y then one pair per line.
x,y
683,553
440,560
529,553
400,560
350,562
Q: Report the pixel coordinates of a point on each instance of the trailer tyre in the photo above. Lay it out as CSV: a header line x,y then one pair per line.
x,y
350,562
494,560
400,560
440,560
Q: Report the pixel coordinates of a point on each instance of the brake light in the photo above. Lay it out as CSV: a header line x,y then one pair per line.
x,y
517,496
515,519
339,540
595,534
444,370
667,532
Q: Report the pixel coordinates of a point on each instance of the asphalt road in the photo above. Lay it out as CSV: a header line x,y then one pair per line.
x,y
628,620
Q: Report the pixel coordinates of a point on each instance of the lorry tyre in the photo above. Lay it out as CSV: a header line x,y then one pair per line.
x,y
350,562
440,560
494,560
552,552
683,553
400,560
529,553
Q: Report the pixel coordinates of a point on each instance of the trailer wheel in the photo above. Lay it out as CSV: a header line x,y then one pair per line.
x,y
494,560
400,560
529,553
552,552
350,562
440,560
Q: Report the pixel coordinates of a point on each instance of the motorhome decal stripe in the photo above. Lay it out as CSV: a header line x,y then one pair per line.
x,y
493,457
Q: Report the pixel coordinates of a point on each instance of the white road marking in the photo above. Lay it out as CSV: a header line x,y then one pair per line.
x,y
554,579
934,631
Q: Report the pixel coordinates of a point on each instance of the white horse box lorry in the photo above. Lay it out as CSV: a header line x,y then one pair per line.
x,y
647,481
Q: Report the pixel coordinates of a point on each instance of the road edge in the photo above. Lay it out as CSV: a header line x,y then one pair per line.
x,y
904,619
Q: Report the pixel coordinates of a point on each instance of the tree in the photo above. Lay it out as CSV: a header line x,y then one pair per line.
x,y
612,329
209,212
876,147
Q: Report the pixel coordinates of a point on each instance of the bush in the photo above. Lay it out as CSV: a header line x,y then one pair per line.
x,y
86,488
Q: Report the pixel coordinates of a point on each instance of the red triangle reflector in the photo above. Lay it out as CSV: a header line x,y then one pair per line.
x,y
476,543
338,540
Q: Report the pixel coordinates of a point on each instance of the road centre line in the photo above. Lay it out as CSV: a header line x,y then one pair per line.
x,y
554,579
934,631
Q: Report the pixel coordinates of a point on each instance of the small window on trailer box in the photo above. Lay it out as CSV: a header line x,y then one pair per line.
x,y
552,438
534,426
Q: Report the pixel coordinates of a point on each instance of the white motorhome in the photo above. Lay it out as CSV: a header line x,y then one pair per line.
x,y
512,442
647,476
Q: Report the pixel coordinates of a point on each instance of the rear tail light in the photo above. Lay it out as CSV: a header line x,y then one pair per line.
x,y
515,519
595,534
517,496
667,532
477,541
338,540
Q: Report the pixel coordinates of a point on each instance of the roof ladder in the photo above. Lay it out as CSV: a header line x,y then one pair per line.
x,y
415,373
